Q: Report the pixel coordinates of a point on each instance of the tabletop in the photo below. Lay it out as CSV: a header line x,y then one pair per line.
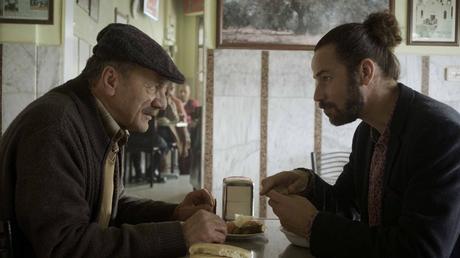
x,y
272,244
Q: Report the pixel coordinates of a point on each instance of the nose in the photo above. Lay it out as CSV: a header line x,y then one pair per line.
x,y
160,101
318,95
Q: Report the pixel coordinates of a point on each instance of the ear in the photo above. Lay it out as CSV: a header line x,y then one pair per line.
x,y
110,79
367,71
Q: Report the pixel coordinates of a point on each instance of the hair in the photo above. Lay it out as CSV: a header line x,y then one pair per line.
x,y
95,66
375,38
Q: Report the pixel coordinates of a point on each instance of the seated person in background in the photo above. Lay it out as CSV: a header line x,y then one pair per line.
x,y
190,105
399,195
60,162
145,143
168,120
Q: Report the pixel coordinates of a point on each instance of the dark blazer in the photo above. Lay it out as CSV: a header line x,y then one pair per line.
x,y
421,195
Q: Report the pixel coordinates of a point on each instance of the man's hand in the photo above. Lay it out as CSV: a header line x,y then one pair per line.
x,y
298,222
286,182
193,202
204,227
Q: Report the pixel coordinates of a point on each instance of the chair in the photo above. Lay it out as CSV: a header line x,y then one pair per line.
x,y
6,243
329,165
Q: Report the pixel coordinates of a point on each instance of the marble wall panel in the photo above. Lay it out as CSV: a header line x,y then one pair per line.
x,y
49,68
440,89
236,118
411,68
239,160
237,72
290,133
290,74
13,104
19,68
236,121
84,52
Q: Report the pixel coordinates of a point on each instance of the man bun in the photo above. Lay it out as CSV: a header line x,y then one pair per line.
x,y
383,28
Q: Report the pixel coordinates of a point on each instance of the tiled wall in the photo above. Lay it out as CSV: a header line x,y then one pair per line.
x,y
28,71
236,119
290,132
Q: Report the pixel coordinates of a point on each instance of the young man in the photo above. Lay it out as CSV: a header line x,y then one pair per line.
x,y
60,162
399,194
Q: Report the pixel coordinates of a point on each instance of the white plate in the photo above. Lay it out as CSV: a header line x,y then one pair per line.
x,y
243,236
295,239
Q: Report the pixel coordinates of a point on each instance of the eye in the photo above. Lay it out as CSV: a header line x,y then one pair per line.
x,y
326,78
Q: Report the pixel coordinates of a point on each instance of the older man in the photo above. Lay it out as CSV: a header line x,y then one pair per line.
x,y
60,161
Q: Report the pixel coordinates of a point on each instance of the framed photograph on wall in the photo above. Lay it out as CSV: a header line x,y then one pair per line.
x,y
94,9
280,24
151,9
26,11
84,4
432,22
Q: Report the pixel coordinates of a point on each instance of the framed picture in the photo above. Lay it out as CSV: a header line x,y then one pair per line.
x,y
121,18
94,9
151,8
26,11
280,24
432,22
84,4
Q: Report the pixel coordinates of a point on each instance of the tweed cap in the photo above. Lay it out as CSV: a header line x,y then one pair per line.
x,y
126,43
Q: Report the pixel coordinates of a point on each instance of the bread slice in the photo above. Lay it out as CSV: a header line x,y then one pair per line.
x,y
218,250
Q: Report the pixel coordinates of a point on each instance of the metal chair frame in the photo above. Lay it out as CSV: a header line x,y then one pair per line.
x,y
329,165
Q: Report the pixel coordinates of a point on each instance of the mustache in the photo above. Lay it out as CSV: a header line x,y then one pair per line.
x,y
324,105
151,111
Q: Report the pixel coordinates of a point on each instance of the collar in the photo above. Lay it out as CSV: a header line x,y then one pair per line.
x,y
111,126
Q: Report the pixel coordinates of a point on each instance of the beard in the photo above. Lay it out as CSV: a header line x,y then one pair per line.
x,y
353,105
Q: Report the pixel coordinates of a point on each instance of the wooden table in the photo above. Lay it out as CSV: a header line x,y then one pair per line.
x,y
272,244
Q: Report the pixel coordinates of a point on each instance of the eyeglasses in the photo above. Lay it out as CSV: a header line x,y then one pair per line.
x,y
153,87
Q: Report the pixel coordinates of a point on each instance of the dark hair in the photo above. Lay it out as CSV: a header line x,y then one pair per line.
x,y
375,38
95,65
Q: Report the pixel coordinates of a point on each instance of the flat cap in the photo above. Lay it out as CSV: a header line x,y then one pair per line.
x,y
126,43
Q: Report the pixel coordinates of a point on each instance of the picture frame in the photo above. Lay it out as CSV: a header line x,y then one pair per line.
x,y
120,17
94,9
84,4
26,11
273,24
151,9
432,23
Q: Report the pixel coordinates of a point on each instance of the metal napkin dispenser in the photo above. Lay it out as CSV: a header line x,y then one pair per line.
x,y
238,197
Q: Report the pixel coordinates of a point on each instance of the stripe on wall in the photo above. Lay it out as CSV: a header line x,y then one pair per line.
x,y
263,129
425,75
318,128
209,109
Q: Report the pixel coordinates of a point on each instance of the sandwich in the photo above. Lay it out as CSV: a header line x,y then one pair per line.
x,y
244,225
202,250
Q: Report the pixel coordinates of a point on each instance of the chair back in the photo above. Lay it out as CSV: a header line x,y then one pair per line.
x,y
329,165
6,243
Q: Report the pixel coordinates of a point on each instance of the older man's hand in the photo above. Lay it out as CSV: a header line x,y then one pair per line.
x,y
193,202
298,222
204,227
